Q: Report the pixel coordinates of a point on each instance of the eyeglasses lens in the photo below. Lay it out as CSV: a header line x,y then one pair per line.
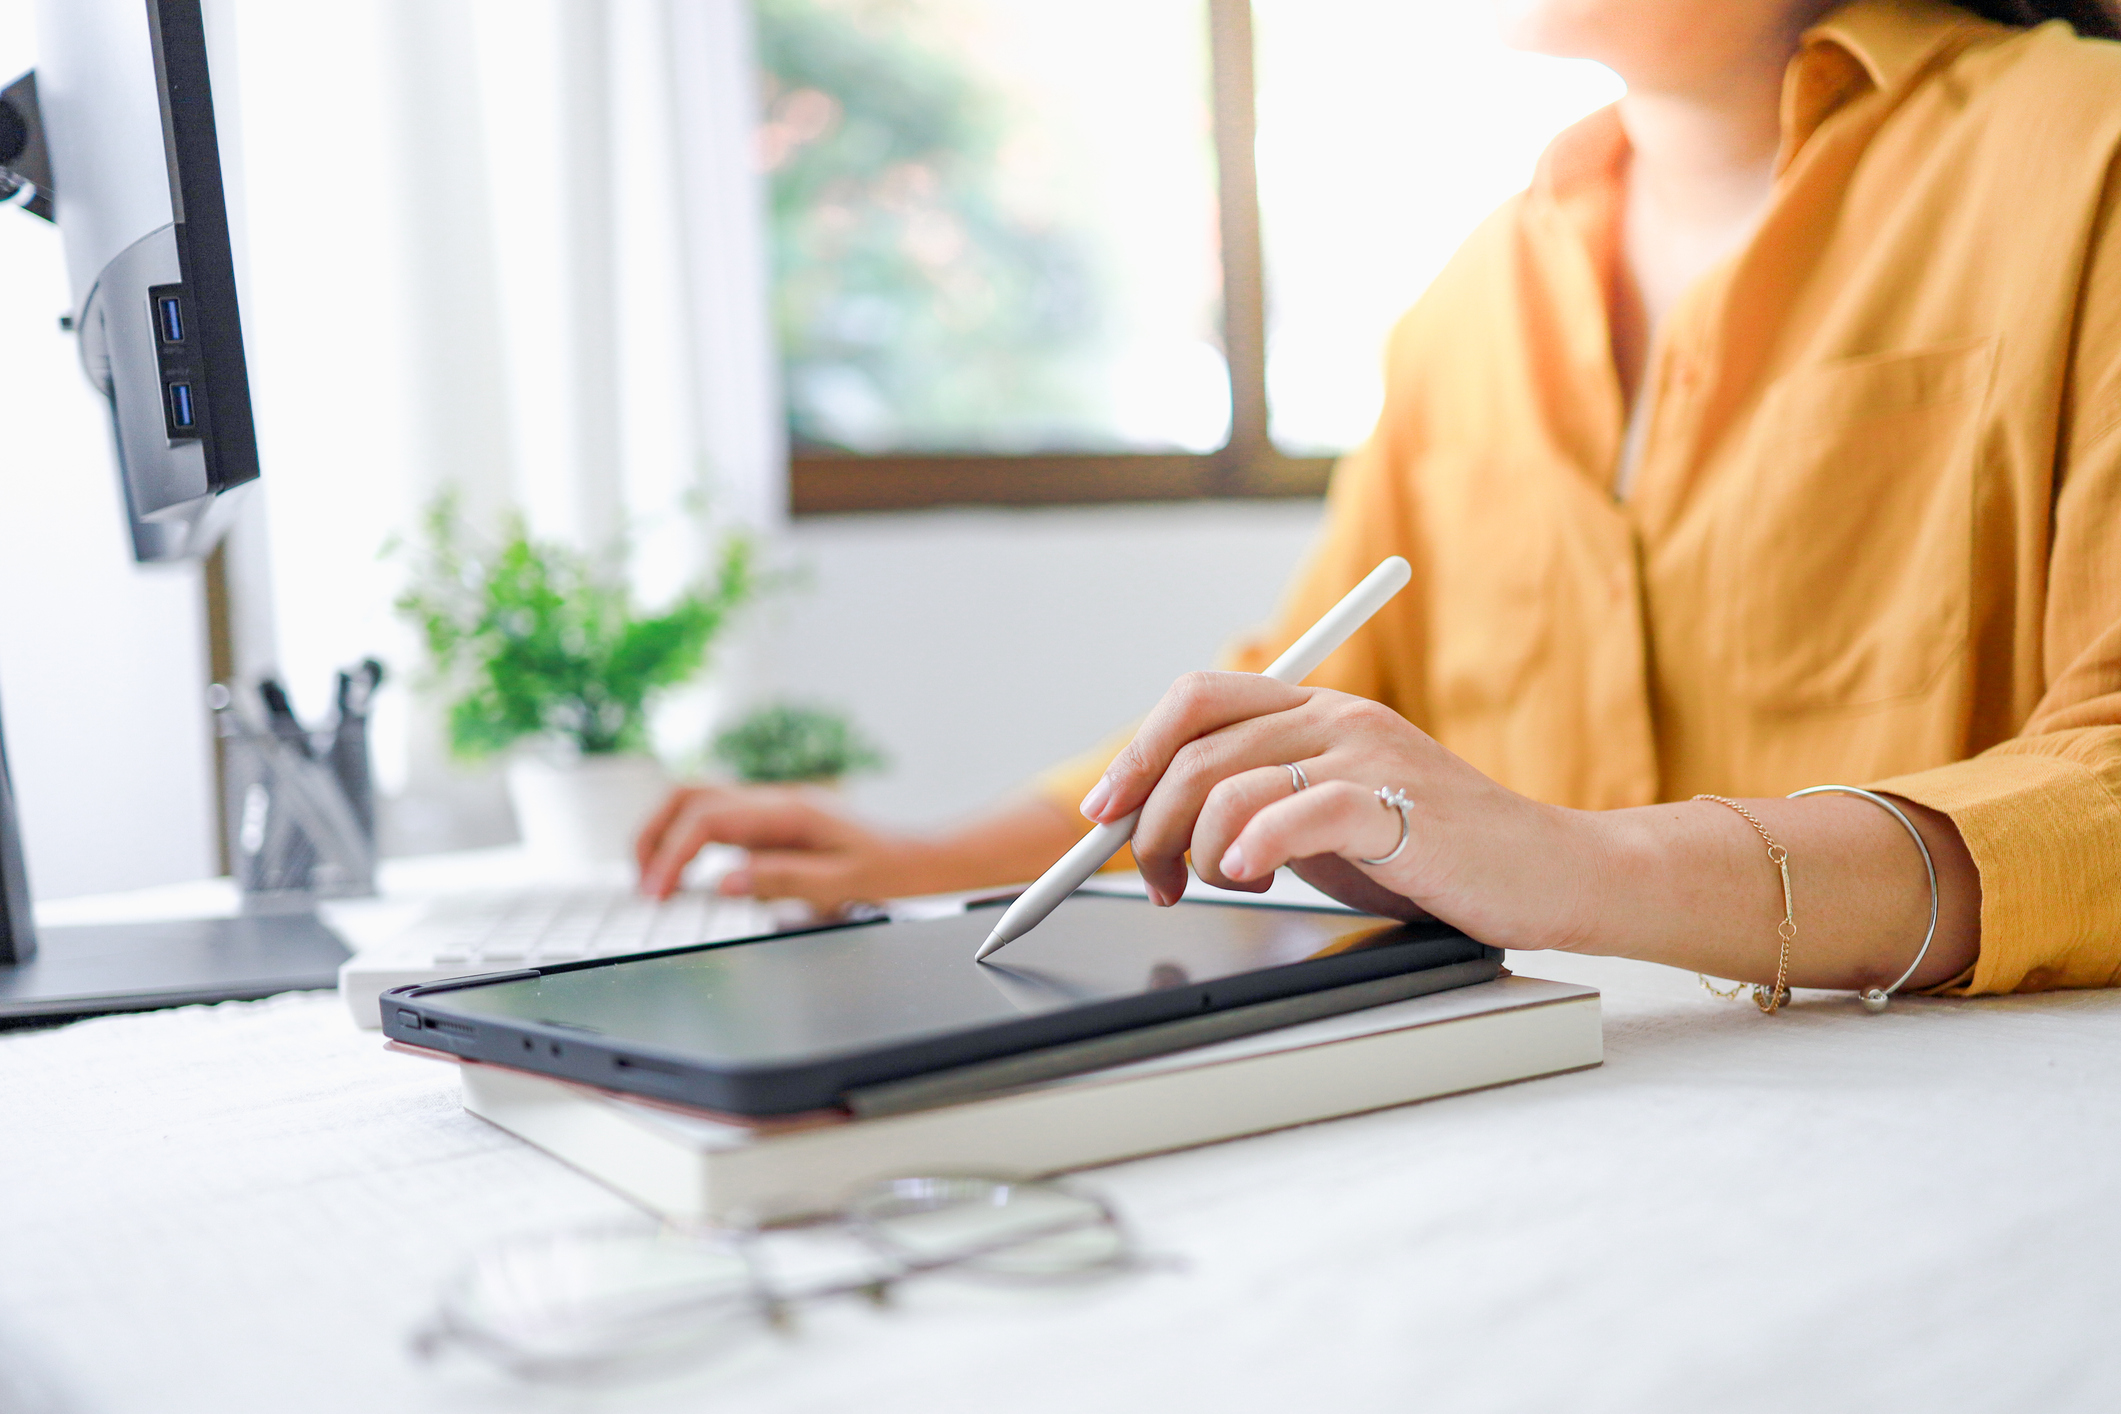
x,y
583,1303
982,1227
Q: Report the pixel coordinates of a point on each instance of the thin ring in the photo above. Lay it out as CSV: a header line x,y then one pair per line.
x,y
1298,781
1875,999
1392,800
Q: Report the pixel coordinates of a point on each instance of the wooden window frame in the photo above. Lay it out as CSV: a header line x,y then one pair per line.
x,y
1248,465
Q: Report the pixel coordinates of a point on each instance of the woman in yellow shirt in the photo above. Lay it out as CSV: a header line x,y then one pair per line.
x,y
1771,439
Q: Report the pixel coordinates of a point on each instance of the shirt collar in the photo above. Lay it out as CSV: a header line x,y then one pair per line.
x,y
1892,39
1863,45
1583,157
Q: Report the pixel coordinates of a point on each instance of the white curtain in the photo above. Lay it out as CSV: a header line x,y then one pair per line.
x,y
514,247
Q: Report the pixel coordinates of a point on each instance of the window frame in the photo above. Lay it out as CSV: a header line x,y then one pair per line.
x,y
1247,465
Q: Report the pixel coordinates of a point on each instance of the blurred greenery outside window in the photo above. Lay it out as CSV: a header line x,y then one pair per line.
x,y
1019,253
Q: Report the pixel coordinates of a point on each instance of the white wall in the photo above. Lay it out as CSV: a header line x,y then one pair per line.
x,y
506,247
102,663
981,646
977,647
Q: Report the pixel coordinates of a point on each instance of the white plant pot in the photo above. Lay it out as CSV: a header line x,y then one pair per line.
x,y
584,811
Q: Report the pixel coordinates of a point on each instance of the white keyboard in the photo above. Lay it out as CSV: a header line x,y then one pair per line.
x,y
499,929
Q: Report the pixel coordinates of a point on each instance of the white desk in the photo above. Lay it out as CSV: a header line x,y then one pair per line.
x,y
245,1207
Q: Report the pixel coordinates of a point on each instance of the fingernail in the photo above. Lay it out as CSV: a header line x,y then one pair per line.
x,y
1233,863
735,884
1095,800
1156,895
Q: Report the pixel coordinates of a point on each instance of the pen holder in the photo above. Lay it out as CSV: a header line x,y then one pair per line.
x,y
296,826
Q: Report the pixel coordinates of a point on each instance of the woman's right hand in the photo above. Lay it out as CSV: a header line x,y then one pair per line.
x,y
803,844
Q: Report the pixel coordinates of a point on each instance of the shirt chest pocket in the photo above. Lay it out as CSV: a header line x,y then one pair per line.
x,y
1846,537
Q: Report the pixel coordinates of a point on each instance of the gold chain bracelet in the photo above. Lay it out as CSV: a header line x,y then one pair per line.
x,y
1767,999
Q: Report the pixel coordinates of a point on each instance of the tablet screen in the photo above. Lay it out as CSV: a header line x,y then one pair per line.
x,y
849,990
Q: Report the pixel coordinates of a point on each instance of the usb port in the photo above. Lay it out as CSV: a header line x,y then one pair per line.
x,y
180,409
171,311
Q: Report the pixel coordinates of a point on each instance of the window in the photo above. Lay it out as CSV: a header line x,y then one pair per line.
x,y
1027,253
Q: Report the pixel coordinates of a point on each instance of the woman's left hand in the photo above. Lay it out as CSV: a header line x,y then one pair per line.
x,y
1208,770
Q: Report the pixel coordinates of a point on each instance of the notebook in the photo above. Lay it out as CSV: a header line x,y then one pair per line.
x,y
694,1167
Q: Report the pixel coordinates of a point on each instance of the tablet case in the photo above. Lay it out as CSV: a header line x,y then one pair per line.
x,y
797,1021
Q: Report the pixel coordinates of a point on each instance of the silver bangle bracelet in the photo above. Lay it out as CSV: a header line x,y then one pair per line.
x,y
1874,998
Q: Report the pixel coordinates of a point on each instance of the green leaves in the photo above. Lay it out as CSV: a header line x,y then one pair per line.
x,y
533,638
918,305
786,742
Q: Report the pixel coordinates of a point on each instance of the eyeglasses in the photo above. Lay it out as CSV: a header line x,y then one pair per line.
x,y
611,1303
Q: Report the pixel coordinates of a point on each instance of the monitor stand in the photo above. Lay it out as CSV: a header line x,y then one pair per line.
x,y
89,969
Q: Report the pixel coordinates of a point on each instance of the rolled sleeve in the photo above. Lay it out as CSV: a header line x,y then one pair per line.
x,y
2041,816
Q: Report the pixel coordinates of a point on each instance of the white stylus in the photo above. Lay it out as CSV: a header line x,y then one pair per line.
x,y
1104,841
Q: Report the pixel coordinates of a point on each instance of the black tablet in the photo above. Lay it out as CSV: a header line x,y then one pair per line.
x,y
796,1021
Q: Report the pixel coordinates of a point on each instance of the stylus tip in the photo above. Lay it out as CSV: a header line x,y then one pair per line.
x,y
994,943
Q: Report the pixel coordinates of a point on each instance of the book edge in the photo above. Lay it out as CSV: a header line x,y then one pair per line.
x,y
778,1174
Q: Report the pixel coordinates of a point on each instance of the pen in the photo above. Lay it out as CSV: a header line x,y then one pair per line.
x,y
1104,841
292,853
349,740
360,687
281,714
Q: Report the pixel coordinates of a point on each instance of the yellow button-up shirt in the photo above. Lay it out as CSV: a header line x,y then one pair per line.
x,y
1874,535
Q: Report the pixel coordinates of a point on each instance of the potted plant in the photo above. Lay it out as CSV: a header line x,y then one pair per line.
x,y
543,652
792,742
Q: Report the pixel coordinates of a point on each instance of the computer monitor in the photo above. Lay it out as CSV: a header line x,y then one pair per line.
x,y
114,137
126,112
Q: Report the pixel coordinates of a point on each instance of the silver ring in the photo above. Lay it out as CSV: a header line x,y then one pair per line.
x,y
1297,779
1392,800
